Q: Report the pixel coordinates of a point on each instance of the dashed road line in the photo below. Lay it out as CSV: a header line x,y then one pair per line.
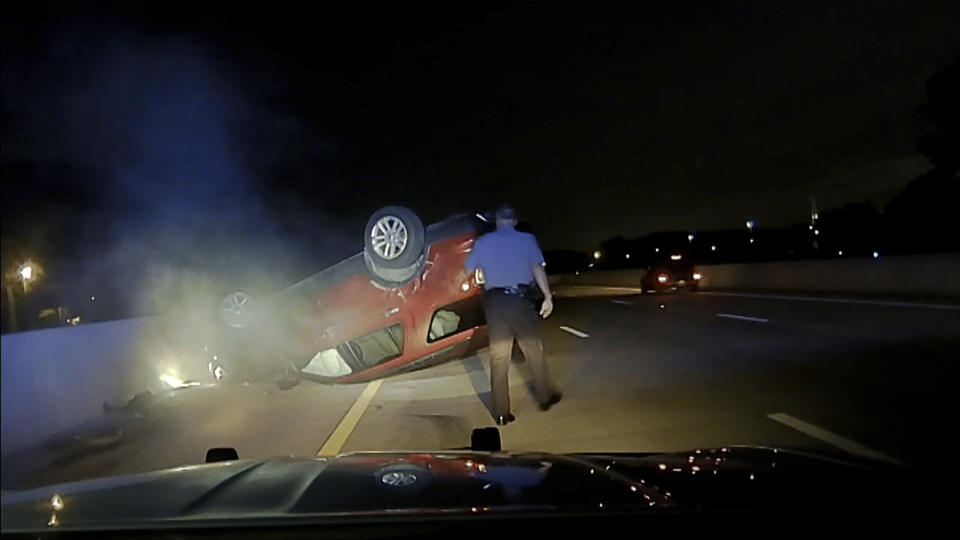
x,y
594,290
349,422
574,331
843,443
622,302
742,317
836,300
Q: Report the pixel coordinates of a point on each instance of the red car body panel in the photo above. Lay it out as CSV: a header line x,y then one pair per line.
x,y
343,302
438,285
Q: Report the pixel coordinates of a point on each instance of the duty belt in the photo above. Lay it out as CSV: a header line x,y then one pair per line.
x,y
519,290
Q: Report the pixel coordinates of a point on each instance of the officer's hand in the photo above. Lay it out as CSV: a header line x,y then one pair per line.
x,y
547,307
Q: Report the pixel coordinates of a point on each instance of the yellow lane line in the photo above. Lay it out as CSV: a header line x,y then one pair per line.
x,y
350,420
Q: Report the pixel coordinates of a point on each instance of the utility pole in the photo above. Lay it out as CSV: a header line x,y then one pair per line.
x,y
12,325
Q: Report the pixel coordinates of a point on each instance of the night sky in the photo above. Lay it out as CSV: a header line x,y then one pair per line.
x,y
163,135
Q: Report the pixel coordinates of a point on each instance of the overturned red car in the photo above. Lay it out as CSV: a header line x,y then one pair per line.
x,y
405,302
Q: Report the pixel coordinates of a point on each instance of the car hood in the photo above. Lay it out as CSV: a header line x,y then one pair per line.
x,y
366,484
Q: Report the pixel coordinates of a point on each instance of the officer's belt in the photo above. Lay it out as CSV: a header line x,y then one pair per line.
x,y
519,290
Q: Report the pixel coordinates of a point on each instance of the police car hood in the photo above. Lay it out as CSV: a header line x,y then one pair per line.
x,y
371,484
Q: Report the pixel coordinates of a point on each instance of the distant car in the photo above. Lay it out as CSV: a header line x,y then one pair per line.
x,y
671,275
404,302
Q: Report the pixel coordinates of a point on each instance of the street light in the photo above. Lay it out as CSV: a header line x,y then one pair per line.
x,y
690,237
597,254
26,273
750,224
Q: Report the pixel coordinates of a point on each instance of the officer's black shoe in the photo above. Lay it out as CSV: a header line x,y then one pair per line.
x,y
554,399
504,420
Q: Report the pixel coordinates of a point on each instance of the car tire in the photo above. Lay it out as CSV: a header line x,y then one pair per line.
x,y
237,309
392,278
394,239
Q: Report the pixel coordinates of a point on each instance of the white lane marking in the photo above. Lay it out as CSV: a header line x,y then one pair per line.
x,y
350,420
741,317
843,443
591,290
611,288
836,300
622,302
575,332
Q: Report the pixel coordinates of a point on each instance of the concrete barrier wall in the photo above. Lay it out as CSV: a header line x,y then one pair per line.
x,y
929,276
914,275
56,378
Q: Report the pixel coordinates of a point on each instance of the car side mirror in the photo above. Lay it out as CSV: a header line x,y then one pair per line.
x,y
216,455
485,440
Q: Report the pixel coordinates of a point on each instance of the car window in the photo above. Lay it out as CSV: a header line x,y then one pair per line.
x,y
359,353
377,347
455,318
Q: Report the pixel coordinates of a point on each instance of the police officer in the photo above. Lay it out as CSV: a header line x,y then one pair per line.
x,y
512,265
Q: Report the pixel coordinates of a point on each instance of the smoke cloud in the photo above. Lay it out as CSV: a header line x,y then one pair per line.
x,y
174,151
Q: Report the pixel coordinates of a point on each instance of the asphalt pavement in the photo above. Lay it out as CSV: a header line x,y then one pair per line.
x,y
639,373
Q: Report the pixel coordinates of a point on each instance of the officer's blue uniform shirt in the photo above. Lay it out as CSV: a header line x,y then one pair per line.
x,y
505,256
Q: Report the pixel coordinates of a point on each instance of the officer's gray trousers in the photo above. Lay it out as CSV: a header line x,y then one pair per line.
x,y
511,317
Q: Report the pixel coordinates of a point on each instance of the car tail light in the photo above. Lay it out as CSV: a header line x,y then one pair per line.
x,y
662,278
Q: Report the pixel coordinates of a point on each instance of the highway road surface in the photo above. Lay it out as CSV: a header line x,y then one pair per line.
x,y
639,373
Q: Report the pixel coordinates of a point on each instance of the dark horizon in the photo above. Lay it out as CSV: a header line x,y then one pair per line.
x,y
141,138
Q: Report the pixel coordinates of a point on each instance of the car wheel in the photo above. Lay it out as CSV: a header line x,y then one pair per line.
x,y
237,309
394,239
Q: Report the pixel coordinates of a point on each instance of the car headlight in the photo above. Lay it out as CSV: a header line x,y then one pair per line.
x,y
662,278
697,275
